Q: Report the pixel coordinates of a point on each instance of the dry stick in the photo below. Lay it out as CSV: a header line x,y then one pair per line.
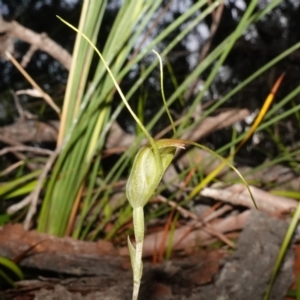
x,y
185,213
238,195
47,98
214,26
216,213
18,206
202,225
27,149
7,140
210,210
33,48
42,42
231,235
18,105
27,57
12,167
211,213
34,196
208,228
219,235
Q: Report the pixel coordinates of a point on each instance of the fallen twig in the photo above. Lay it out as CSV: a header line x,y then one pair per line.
x,y
34,196
26,149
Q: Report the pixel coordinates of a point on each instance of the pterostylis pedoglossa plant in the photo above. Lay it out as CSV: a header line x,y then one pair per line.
x,y
148,168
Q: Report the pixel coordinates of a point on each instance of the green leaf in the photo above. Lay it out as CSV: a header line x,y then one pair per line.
x,y
4,219
23,190
7,278
11,266
13,185
283,249
298,288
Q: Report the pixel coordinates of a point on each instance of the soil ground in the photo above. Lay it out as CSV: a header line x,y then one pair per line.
x,y
63,268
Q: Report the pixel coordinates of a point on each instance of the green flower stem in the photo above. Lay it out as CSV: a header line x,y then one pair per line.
x,y
139,231
138,223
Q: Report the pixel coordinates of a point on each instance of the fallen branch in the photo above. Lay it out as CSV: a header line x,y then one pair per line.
x,y
39,41
237,194
24,131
